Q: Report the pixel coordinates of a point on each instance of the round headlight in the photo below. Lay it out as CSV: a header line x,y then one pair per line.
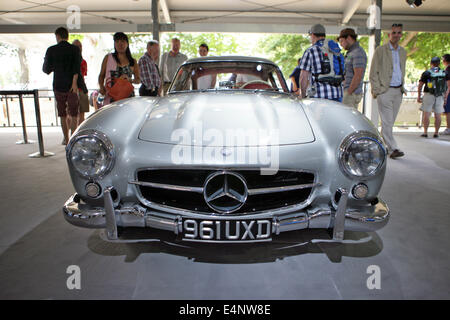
x,y
91,154
362,155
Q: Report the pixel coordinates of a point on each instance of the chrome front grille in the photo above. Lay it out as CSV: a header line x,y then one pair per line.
x,y
183,189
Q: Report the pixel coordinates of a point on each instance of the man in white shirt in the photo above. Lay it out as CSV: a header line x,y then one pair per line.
x,y
207,81
170,61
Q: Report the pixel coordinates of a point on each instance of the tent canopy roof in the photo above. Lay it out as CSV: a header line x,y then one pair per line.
x,y
283,16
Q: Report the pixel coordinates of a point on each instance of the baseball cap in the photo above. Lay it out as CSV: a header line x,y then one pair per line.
x,y
317,29
436,60
347,32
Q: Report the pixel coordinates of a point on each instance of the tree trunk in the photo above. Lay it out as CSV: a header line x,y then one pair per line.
x,y
408,38
25,73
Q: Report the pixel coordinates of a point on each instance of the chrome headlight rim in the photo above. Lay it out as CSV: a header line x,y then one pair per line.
x,y
348,141
100,136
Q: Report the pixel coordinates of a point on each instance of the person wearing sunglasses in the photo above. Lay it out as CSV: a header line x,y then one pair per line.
x,y
387,73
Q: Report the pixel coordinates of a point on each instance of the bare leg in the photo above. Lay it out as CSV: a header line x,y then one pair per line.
x,y
73,124
437,123
426,121
80,118
65,129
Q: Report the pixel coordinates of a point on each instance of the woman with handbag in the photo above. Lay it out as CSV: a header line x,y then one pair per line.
x,y
119,70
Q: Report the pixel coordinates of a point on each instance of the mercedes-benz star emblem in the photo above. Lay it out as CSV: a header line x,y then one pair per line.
x,y
225,192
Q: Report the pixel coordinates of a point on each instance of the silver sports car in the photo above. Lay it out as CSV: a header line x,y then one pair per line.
x,y
228,155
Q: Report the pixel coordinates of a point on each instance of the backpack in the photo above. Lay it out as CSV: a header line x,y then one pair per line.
x,y
436,83
332,63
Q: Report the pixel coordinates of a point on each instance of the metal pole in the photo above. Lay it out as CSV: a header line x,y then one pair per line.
x,y
41,152
379,4
155,20
7,111
363,111
22,115
24,125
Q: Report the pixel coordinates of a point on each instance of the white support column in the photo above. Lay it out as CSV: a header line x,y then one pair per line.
x,y
374,24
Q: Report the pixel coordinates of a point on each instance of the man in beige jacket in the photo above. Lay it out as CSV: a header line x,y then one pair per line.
x,y
387,74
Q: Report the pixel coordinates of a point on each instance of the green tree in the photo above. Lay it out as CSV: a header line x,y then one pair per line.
x,y
75,36
15,77
422,46
138,44
218,43
285,49
8,50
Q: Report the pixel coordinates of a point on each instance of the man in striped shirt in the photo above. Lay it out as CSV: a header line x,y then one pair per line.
x,y
150,78
311,66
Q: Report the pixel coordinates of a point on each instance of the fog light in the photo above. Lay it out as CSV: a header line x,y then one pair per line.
x,y
360,191
93,190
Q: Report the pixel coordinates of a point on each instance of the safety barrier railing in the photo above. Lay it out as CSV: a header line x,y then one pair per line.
x,y
10,117
409,114
7,94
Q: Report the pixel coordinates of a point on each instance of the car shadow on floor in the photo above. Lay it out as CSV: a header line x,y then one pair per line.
x,y
287,244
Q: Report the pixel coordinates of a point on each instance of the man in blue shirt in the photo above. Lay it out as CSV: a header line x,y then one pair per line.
x,y
295,78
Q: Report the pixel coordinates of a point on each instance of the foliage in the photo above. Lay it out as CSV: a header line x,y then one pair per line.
x,y
138,44
285,49
218,43
74,36
8,50
364,43
423,46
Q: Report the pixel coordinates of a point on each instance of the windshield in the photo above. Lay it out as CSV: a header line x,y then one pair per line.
x,y
226,75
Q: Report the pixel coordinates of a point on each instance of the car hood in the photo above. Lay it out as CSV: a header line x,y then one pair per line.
x,y
234,118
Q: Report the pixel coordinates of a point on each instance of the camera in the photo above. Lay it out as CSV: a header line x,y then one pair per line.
x,y
414,3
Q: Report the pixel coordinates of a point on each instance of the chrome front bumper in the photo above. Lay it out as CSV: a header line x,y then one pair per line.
x,y
109,217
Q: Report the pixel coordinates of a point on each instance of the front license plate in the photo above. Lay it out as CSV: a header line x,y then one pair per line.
x,y
227,230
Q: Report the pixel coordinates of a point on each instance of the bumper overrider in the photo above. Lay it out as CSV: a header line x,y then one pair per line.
x,y
223,228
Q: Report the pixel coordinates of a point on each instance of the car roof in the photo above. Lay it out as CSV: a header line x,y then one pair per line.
x,y
229,58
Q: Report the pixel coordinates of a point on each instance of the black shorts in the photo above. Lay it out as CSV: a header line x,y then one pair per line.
x,y
144,92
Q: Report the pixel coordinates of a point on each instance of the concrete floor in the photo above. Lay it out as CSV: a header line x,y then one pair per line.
x,y
37,245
